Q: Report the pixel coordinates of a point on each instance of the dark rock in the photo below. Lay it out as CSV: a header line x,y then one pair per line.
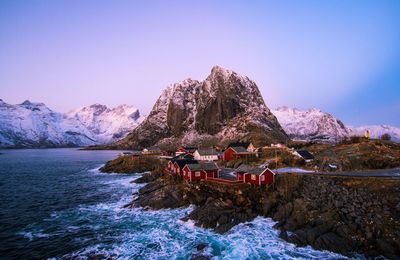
x,y
316,232
148,177
298,237
199,257
385,247
201,246
283,212
332,242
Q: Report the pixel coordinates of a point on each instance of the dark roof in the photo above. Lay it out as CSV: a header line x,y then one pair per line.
x,y
183,156
204,152
239,149
181,163
189,149
243,168
239,144
209,166
256,171
306,155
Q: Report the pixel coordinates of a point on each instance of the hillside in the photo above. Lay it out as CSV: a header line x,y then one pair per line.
x,y
358,154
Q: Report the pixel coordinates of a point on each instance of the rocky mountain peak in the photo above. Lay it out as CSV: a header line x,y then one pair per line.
x,y
225,106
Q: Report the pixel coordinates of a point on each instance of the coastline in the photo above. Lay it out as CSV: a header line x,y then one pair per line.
x,y
327,212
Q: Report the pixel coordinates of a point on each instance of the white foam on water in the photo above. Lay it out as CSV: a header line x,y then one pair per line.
x,y
30,235
107,230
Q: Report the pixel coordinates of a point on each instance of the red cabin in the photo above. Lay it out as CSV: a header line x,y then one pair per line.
x,y
193,172
241,170
236,152
259,176
179,164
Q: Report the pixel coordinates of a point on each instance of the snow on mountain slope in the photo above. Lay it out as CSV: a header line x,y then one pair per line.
x,y
225,106
107,125
311,125
377,131
35,125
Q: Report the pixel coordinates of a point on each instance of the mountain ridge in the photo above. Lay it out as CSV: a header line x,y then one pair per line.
x,y
225,106
33,124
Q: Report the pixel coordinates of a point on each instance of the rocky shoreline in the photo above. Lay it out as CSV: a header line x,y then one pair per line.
x,y
347,215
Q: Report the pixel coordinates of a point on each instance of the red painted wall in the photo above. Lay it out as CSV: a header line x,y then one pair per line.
x,y
212,174
268,178
229,154
201,177
239,176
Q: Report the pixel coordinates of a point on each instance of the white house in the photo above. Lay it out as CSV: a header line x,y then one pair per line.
x,y
205,155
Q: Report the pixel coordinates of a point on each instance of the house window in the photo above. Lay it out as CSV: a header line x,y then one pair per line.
x,y
197,174
253,177
262,178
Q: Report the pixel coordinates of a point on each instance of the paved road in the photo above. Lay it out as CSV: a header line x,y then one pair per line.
x,y
387,173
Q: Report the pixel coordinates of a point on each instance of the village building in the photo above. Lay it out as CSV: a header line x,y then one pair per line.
x,y
200,171
151,151
304,154
234,152
183,156
206,155
248,146
259,176
241,170
188,150
179,164
278,145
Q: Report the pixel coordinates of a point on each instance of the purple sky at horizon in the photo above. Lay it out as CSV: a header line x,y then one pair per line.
x,y
341,57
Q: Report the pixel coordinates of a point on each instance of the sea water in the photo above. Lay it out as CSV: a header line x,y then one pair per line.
x,y
56,204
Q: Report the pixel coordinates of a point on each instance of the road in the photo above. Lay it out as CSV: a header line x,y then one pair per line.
x,y
386,173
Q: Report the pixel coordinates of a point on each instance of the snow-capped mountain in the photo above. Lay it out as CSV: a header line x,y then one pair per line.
x,y
311,125
107,125
376,131
35,125
225,106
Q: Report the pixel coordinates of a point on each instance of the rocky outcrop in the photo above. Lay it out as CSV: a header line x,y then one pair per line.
x,y
226,106
339,214
128,164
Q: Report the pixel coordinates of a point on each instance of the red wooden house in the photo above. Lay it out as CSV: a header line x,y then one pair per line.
x,y
170,166
241,170
179,164
259,176
202,171
234,152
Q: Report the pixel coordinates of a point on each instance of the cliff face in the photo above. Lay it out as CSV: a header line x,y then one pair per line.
x,y
225,106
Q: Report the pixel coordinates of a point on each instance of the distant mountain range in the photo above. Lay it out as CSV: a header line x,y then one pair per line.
x,y
311,125
35,125
316,125
224,107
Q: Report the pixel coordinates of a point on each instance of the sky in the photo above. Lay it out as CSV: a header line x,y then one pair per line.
x,y
340,56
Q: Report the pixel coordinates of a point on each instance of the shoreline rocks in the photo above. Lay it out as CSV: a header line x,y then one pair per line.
x,y
341,214
129,164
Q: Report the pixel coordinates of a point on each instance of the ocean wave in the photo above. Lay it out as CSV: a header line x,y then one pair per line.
x,y
31,235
